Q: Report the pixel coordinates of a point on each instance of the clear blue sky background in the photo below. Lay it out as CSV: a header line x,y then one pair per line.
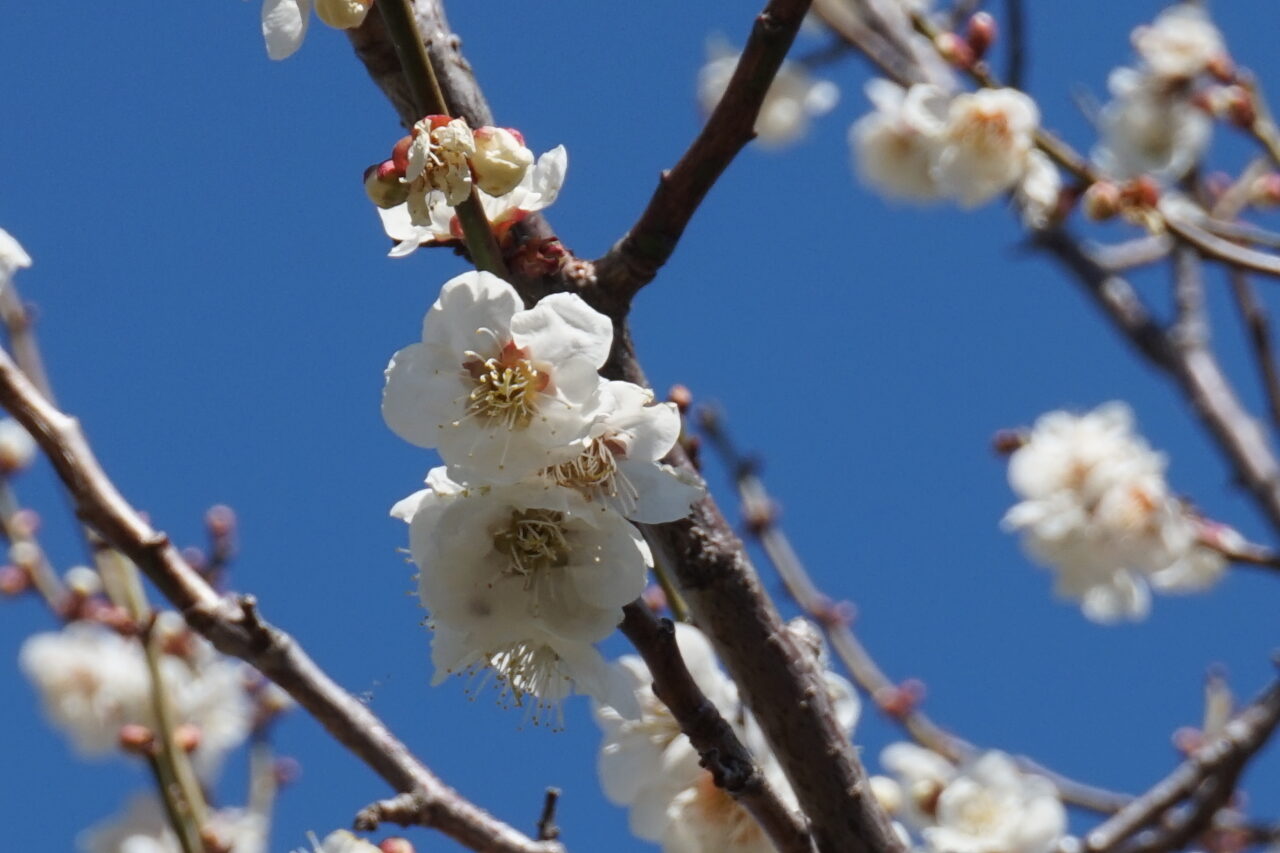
x,y
216,305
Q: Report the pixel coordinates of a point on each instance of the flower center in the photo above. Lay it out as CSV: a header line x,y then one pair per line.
x,y
533,542
506,387
594,472
528,669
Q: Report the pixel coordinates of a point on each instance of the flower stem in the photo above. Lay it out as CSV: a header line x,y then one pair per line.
x,y
429,100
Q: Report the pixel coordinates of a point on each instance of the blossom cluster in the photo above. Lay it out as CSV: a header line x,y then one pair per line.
x,y
986,805
285,22
1154,123
442,163
923,143
648,765
523,538
1096,508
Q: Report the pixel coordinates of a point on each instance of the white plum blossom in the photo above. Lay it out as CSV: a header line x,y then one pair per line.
x,y
342,841
284,22
499,390
792,100
500,159
523,579
986,805
1149,128
538,189
92,681
619,465
1097,509
17,447
1180,43
896,145
1038,191
438,171
12,257
145,828
647,764
986,144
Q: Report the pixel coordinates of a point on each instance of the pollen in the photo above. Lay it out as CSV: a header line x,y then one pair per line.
x,y
506,387
534,542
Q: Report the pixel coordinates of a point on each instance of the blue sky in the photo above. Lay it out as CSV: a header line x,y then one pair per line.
x,y
216,305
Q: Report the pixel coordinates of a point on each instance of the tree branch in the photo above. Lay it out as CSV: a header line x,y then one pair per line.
x,y
1258,324
235,628
1210,772
730,763
636,258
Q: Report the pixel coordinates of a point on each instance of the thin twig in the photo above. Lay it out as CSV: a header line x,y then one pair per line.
x,y
1258,324
1221,249
547,829
1131,254
235,628
760,513
730,764
1214,768
636,258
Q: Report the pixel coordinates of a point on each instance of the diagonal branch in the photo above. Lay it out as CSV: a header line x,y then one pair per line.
x,y
235,627
636,258
731,764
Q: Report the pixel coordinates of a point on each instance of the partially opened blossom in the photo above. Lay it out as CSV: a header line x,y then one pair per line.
x,y
619,466
538,189
145,828
1180,43
792,101
1150,127
522,579
896,146
500,160
986,144
284,22
499,390
1097,509
12,257
438,171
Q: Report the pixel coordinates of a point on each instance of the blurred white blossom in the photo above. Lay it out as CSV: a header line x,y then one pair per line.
x,y
1097,509
986,144
792,100
144,828
896,145
438,171
1180,43
284,22
1149,128
342,841
1038,191
17,447
501,391
12,257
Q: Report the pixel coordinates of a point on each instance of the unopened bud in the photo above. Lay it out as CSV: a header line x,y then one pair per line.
x,y
400,154
25,523
343,14
900,700
1265,190
25,555
1222,67
655,598
1101,200
17,447
1188,739
220,520
396,845
1240,108
82,581
1141,192
500,160
1006,441
887,792
187,737
13,581
681,396
954,49
385,192
287,770
137,739
981,33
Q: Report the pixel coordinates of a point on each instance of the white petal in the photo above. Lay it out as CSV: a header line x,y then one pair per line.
x,y
284,25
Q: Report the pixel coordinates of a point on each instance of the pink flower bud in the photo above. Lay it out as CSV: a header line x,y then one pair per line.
x,y
400,154
385,192
136,739
981,33
13,581
1101,200
187,737
954,49
396,845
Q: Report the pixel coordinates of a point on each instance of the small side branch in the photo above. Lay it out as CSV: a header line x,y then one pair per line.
x,y
730,763
1258,323
636,258
547,829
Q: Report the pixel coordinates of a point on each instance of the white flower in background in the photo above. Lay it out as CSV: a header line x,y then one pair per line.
x,y
792,100
986,143
438,171
1180,42
500,391
523,579
1038,191
92,681
500,160
619,464
920,775
144,828
538,189
1097,509
17,447
12,257
896,146
1149,128
341,841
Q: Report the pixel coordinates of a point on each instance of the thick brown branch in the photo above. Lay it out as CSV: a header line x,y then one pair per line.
x,y
636,258
731,764
1211,772
235,627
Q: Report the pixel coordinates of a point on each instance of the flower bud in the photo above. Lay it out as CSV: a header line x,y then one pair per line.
x,y
396,845
1265,191
1222,68
500,160
25,555
954,49
83,581
981,33
25,523
1101,200
888,793
187,737
385,192
681,396
343,14
17,447
137,739
400,154
13,581
1142,192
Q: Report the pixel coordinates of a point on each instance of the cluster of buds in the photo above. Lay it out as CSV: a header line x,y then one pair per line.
x,y
1135,199
963,51
440,162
